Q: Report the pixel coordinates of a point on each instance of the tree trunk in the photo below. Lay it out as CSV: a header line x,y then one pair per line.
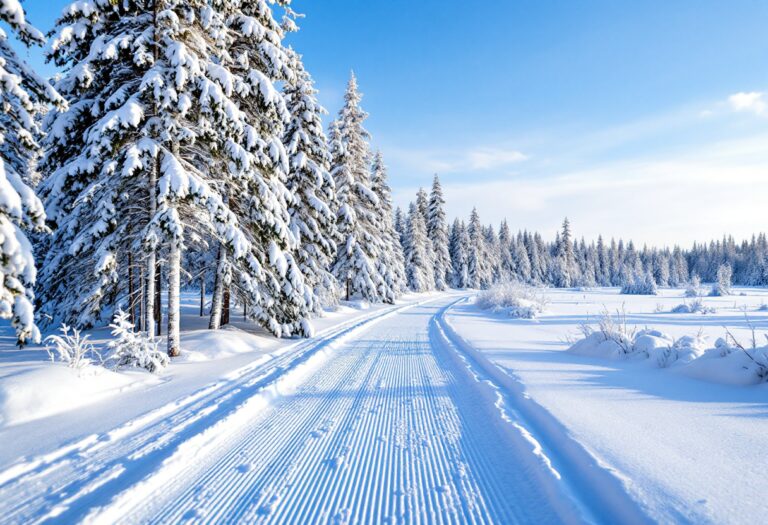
x,y
174,289
142,318
348,288
218,290
225,306
131,292
158,298
202,294
149,298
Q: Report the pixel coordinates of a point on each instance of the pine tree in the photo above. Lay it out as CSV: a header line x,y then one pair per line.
x,y
437,233
22,96
419,269
391,263
458,246
565,264
358,250
478,269
309,180
422,206
159,138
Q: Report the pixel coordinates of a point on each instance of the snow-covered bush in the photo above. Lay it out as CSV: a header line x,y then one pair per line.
x,y
762,308
694,287
134,349
723,285
640,285
613,337
71,348
512,298
728,362
696,306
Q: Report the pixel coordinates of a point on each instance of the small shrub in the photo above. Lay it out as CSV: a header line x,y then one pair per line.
x,y
694,287
134,349
696,306
723,285
513,299
640,285
71,348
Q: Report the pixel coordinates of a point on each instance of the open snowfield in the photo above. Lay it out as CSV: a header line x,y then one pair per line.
x,y
685,449
394,414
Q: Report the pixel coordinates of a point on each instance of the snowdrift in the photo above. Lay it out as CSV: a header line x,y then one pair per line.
x,y
728,362
511,299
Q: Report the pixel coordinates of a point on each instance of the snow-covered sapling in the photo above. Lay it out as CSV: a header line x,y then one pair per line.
x,y
694,287
723,285
134,349
71,348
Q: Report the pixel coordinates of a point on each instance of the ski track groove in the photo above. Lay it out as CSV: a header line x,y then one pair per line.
x,y
390,428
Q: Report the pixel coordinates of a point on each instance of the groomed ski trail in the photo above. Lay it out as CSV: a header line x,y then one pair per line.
x,y
381,422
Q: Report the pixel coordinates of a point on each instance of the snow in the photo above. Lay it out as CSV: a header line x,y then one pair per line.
x,y
684,445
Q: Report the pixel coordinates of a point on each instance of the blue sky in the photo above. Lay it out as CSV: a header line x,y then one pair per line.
x,y
635,119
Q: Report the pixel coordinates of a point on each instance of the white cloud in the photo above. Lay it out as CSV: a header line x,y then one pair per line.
x,y
698,194
752,102
427,161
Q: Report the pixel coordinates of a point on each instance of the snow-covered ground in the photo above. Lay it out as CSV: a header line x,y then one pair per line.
x,y
429,411
42,403
686,450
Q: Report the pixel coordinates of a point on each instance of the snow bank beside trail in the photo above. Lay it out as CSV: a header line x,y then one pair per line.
x,y
511,299
728,362
51,389
209,345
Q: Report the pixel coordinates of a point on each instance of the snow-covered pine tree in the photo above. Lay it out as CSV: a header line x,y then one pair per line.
x,y
478,269
438,234
391,262
458,246
309,180
722,286
520,260
419,269
566,272
422,205
507,262
400,224
269,280
356,219
154,137
23,94
493,252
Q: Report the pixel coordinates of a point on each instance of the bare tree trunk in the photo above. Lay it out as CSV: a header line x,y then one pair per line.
x,y
347,288
158,299
225,307
218,290
131,292
174,289
202,294
142,318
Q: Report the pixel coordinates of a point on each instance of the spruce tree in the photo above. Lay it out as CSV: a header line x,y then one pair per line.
x,y
458,246
438,234
419,269
391,263
314,192
358,250
23,94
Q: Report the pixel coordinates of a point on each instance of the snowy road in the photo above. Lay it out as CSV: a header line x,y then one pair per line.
x,y
384,421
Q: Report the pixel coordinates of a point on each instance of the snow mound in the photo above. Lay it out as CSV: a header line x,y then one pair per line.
x,y
694,307
511,299
209,345
56,388
728,362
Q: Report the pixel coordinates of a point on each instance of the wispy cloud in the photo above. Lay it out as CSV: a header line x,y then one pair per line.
x,y
476,159
751,102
